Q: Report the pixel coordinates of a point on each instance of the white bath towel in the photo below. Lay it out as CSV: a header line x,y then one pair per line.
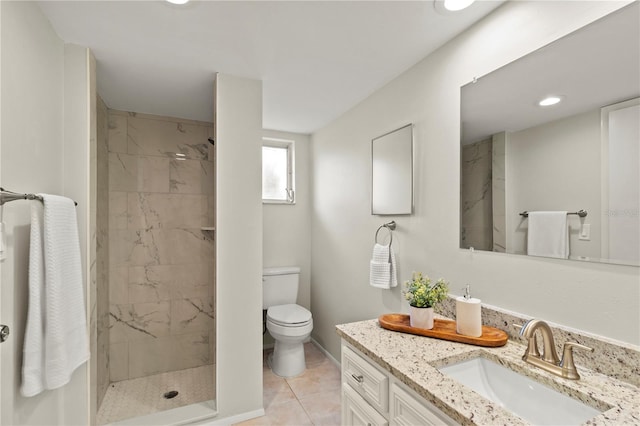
x,y
33,349
548,234
56,340
382,267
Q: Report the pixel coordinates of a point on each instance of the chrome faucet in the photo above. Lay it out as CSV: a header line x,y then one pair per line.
x,y
548,361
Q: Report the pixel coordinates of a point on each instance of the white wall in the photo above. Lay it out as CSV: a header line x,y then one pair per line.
x,y
555,166
238,244
40,147
287,227
428,95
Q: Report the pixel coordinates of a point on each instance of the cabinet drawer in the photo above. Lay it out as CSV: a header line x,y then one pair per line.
x,y
409,410
365,379
357,412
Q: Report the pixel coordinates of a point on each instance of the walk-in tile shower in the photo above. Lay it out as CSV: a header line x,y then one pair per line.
x,y
156,286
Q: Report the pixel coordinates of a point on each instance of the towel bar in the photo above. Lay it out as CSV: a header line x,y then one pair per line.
x,y
581,213
7,196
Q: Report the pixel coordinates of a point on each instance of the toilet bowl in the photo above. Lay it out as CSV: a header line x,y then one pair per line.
x,y
290,325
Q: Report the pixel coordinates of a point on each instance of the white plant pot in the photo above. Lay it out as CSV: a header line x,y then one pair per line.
x,y
421,317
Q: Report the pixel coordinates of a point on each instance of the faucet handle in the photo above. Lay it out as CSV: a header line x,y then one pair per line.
x,y
569,345
567,364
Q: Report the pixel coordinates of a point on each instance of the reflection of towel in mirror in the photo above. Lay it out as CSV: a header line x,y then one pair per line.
x,y
548,235
382,268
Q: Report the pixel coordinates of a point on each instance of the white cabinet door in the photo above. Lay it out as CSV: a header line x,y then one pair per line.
x,y
357,412
407,410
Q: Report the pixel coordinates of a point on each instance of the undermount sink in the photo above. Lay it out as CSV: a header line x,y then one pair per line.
x,y
524,397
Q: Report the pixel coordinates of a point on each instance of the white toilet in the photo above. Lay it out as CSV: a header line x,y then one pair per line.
x,y
289,324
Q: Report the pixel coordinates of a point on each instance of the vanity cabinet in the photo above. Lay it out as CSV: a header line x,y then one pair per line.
x,y
371,396
367,380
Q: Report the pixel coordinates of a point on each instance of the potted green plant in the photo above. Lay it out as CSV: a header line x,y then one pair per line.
x,y
423,296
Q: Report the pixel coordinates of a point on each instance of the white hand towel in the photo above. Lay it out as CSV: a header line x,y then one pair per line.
x,y
394,268
382,267
548,234
380,274
57,343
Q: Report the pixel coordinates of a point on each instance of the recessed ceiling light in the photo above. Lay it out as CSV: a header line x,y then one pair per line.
x,y
178,1
455,5
550,100
449,7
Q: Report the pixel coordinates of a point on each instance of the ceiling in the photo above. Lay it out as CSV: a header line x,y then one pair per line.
x,y
593,67
317,59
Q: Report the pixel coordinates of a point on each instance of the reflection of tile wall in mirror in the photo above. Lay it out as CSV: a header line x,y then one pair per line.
x,y
594,67
498,193
476,196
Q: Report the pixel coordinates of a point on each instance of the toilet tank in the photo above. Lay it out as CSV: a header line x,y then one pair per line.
x,y
279,286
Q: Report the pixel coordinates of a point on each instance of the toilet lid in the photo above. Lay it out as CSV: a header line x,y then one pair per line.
x,y
288,314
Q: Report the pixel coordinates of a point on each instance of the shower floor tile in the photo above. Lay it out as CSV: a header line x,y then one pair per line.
x,y
137,397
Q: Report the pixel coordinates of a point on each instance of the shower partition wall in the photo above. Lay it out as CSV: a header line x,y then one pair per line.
x,y
161,259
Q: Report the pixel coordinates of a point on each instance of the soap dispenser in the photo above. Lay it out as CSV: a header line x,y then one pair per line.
x,y
468,315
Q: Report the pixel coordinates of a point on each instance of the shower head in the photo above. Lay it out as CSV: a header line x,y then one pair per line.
x,y
211,141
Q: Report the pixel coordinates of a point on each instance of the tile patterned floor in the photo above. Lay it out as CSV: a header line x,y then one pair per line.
x,y
312,398
137,397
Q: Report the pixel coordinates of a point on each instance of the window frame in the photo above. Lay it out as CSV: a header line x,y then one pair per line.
x,y
289,145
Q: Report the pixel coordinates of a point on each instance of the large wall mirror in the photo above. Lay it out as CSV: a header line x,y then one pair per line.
x,y
392,172
581,153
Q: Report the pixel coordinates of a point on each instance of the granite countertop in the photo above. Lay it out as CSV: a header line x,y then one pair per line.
x,y
414,361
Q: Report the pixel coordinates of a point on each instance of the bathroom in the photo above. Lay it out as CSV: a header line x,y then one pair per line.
x,y
329,231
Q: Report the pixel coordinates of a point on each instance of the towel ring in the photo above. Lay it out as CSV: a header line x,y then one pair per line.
x,y
390,227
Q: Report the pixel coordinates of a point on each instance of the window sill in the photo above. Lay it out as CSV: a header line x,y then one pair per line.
x,y
290,203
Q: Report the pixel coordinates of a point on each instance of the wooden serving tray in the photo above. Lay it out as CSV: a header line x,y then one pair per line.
x,y
444,329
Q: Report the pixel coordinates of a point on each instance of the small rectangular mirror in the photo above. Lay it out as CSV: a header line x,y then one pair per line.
x,y
392,172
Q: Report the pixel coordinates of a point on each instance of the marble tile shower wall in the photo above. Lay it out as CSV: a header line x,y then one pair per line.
x,y
101,299
162,278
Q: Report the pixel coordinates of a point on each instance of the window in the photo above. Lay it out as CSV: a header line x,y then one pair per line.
x,y
277,171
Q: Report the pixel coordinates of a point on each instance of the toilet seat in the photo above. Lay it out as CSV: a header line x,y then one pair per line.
x,y
290,315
